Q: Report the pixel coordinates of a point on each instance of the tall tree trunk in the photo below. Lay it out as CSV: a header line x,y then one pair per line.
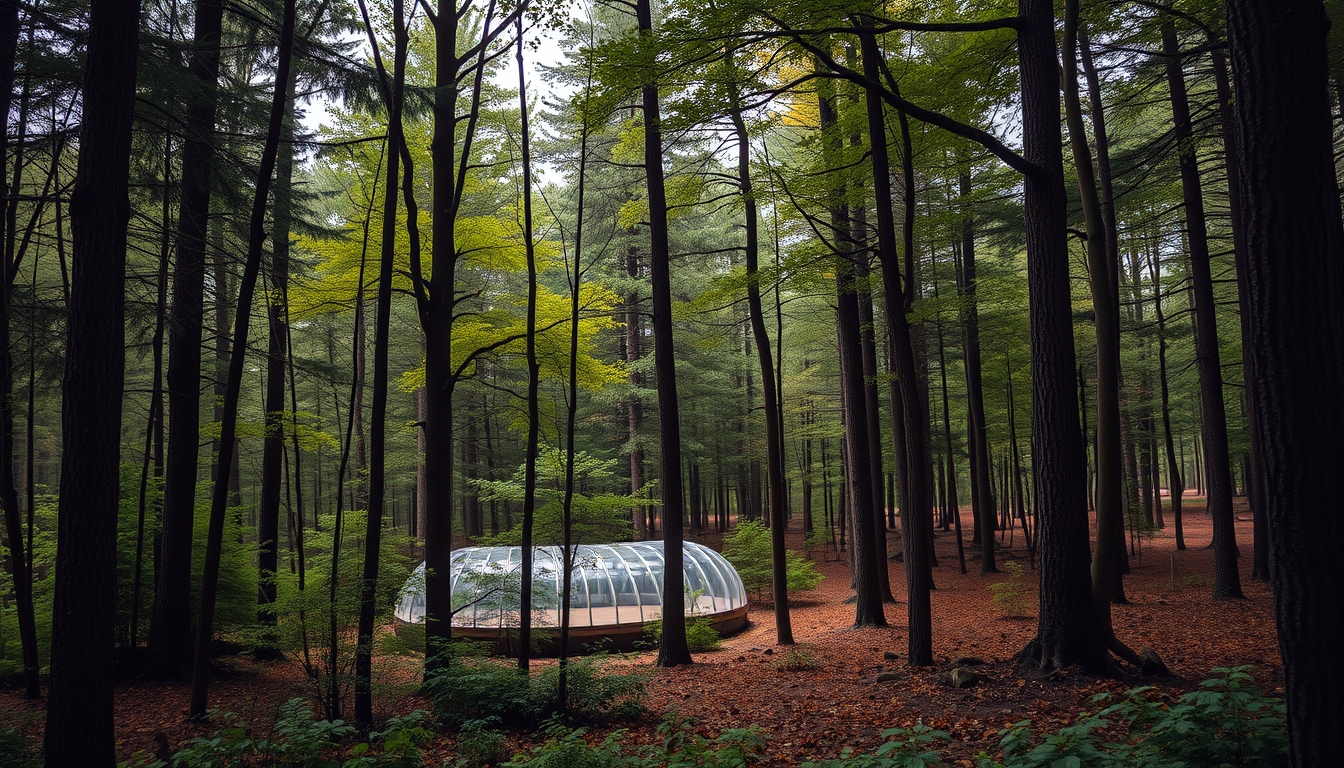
x,y
1226,577
769,384
79,723
568,550
391,91
859,487
1067,628
917,516
170,625
672,650
19,555
1236,217
1295,246
1109,554
273,450
200,681
635,408
154,429
982,489
533,376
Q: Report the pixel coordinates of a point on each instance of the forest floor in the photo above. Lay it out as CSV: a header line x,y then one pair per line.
x,y
816,712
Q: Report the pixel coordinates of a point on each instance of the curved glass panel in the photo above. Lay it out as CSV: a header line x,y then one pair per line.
x,y
612,584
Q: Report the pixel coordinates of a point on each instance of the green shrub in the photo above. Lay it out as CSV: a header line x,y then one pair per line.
x,y
594,692
903,748
16,751
466,690
566,748
795,659
681,747
480,746
748,549
701,636
1228,722
1010,595
299,740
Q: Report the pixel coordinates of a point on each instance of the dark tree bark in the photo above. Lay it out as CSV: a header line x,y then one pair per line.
x,y
273,449
1294,258
858,495
982,488
1103,278
391,91
635,407
1103,258
19,554
1218,470
672,650
170,625
770,393
917,515
533,376
1067,628
200,679
568,551
79,730
1254,488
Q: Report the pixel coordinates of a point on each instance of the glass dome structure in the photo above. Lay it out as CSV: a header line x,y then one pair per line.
x,y
613,586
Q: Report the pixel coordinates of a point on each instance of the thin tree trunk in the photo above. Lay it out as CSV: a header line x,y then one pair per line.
x,y
391,91
769,384
635,407
533,376
568,551
1255,488
953,504
170,625
1226,577
859,497
672,650
917,517
200,682
268,512
982,490
19,555
1109,554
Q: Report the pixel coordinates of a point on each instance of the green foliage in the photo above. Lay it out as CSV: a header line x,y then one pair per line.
x,y
480,746
701,636
468,692
1227,723
299,740
795,659
16,751
903,748
303,616
681,747
748,549
599,512
1010,595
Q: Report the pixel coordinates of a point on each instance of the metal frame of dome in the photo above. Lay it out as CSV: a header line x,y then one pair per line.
x,y
616,590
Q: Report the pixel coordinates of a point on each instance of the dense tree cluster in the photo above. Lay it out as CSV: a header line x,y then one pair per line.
x,y
299,293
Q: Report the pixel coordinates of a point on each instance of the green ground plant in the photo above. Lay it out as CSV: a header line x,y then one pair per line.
x,y
748,549
1010,595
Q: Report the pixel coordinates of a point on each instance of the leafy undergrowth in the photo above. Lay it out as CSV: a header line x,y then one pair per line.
x,y
822,695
